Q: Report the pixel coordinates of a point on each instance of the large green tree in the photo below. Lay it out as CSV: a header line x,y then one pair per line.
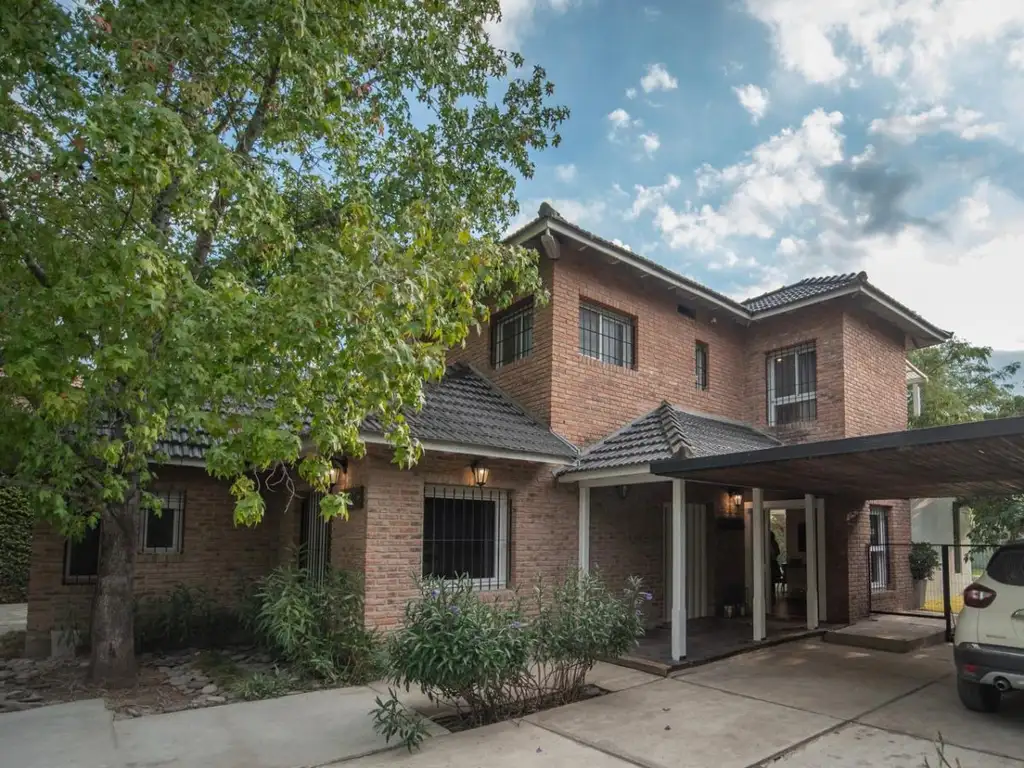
x,y
964,386
257,219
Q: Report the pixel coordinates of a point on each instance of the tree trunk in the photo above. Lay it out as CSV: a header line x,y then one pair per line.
x,y
113,625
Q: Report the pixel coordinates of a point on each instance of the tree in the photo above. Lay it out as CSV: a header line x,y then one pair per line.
x,y
256,219
963,386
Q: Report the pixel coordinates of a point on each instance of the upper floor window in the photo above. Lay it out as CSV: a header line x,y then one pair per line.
x,y
512,335
702,359
606,336
792,377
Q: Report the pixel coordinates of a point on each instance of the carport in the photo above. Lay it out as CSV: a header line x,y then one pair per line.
x,y
977,458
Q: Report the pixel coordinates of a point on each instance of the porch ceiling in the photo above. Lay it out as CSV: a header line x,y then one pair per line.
x,y
984,457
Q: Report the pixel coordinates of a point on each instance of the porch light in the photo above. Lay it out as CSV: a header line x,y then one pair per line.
x,y
736,500
623,491
338,473
480,473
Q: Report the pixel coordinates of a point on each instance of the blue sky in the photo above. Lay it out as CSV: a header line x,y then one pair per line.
x,y
749,143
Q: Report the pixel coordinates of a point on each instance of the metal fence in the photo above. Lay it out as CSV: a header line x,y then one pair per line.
x,y
895,586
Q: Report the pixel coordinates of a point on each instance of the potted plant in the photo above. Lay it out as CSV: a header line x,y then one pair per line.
x,y
924,559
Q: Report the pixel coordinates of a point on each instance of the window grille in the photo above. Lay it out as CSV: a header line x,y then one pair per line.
x,y
314,539
512,335
82,557
161,533
879,547
466,534
702,357
792,381
606,336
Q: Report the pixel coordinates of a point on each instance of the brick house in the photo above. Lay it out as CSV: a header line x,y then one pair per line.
x,y
565,406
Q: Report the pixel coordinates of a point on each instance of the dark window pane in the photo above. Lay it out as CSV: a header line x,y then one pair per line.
x,y
590,323
793,413
807,371
160,529
785,376
459,537
1007,566
513,336
702,365
82,557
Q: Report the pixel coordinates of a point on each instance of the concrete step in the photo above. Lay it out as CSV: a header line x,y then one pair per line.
x,y
896,634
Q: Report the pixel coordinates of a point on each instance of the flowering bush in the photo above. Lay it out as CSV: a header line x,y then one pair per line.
x,y
489,662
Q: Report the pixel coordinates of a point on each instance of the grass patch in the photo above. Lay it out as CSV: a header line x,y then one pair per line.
x,y
219,668
956,602
264,685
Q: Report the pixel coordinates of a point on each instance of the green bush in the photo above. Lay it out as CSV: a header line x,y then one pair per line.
x,y
15,544
489,662
924,559
186,617
317,625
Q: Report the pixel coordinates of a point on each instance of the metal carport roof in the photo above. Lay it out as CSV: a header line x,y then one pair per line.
x,y
981,457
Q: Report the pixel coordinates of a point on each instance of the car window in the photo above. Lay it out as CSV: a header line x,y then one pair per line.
x,y
1007,566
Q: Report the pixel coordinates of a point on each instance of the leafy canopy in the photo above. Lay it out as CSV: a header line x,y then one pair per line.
x,y
257,220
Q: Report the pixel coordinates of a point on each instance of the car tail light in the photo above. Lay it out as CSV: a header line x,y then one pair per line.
x,y
978,596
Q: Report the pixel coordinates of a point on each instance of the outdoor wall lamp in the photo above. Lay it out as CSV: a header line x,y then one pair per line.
x,y
736,500
337,474
623,491
480,473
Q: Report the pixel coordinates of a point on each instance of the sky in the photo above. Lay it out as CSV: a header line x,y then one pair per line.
x,y
751,143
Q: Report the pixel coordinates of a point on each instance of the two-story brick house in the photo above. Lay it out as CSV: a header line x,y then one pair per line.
x,y
538,445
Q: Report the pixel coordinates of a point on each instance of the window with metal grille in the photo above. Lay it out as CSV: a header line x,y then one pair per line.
x,y
606,336
701,354
792,380
465,534
82,557
512,335
160,532
879,547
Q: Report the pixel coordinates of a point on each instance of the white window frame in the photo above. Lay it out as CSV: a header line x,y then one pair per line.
x,y
175,507
609,318
879,552
513,321
501,538
798,397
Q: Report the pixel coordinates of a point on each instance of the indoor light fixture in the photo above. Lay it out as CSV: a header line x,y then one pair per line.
x,y
480,473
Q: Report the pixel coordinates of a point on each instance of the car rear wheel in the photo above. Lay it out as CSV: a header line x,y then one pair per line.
x,y
977,697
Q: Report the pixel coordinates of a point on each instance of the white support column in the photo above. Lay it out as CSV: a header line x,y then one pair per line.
x,y
757,541
584,534
819,507
811,538
678,569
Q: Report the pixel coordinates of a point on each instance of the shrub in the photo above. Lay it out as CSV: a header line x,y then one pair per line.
x,y
317,625
185,617
263,685
924,559
15,544
488,662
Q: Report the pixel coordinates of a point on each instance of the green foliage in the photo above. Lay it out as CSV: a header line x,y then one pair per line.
x,y
15,544
924,559
487,660
392,720
996,519
186,617
317,626
265,220
264,685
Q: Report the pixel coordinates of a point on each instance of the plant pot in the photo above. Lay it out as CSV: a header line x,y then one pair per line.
x,y
920,591
727,610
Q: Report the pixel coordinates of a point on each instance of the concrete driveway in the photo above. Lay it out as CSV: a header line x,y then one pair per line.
x,y
801,705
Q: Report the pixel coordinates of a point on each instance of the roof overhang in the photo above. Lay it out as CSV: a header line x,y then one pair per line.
x,y
978,458
915,375
484,452
633,474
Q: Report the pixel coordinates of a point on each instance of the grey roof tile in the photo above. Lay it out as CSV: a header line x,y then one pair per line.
x,y
463,407
805,289
667,432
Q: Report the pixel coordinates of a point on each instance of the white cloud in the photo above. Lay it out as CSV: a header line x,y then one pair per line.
x,y
1015,57
517,19
650,142
658,79
649,197
754,99
778,178
620,121
965,123
565,173
631,93
621,244
586,213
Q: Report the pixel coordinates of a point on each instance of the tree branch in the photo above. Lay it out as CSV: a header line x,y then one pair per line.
x,y
33,266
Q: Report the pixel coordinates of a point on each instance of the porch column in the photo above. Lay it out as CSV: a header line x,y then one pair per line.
x,y
757,543
811,539
584,533
822,562
678,570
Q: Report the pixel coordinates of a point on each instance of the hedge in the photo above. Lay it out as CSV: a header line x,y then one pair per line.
x,y
15,545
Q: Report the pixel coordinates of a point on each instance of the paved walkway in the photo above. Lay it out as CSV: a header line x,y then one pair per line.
x,y
13,617
801,705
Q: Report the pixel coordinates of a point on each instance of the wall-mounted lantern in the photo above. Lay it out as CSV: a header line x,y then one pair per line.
x,y
480,473
623,491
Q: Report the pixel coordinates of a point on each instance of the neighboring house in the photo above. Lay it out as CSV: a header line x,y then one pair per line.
x,y
538,444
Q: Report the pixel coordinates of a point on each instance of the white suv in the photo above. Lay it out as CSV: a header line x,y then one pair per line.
x,y
989,642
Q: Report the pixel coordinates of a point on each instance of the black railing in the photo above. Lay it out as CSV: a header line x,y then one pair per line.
x,y
466,535
924,579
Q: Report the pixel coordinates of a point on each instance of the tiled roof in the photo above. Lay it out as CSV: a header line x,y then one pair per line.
x,y
667,432
463,408
805,289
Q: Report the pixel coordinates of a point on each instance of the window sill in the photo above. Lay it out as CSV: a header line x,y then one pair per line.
x,y
593,361
514,364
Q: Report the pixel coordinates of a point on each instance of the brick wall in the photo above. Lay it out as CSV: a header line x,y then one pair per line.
x,y
216,555
590,398
544,525
875,376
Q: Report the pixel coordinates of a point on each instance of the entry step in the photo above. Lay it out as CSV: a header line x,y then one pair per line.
x,y
896,634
